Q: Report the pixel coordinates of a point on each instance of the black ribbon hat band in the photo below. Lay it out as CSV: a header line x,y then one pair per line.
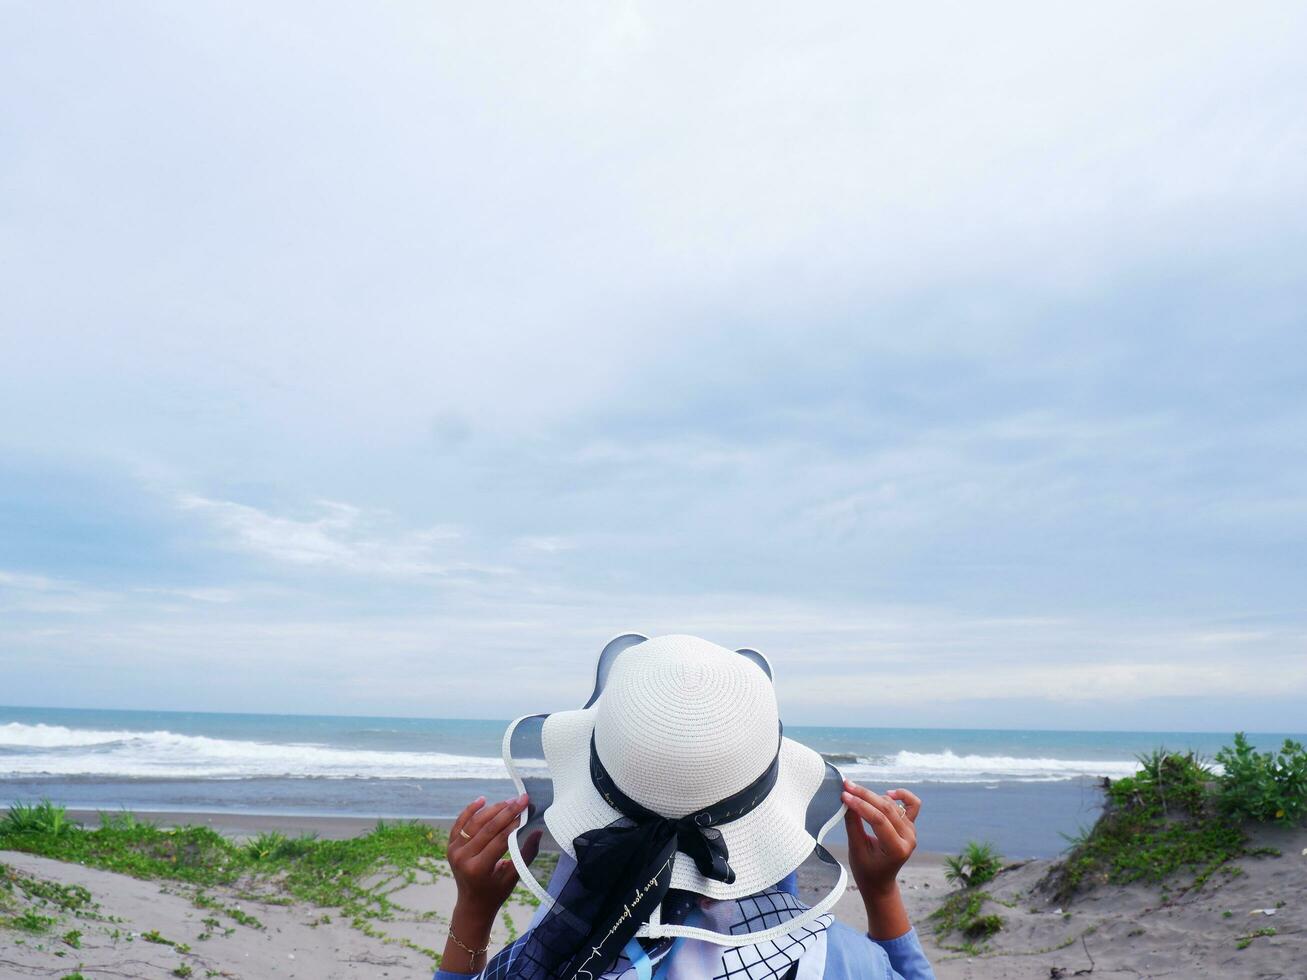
x,y
624,870
695,832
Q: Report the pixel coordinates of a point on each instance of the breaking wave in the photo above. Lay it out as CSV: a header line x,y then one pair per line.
x,y
52,750
948,767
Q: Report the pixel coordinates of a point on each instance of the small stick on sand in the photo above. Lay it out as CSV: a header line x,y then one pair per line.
x,y
1083,943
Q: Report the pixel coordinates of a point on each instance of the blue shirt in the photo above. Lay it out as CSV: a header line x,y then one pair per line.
x,y
850,955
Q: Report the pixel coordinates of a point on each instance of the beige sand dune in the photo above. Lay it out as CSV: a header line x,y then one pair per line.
x,y
294,941
1119,932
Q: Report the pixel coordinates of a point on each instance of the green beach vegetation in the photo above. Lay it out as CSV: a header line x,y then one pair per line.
x,y
1261,786
1178,821
976,865
964,911
355,876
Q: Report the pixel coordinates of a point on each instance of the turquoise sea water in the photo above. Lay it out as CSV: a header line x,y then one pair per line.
x,y
1021,789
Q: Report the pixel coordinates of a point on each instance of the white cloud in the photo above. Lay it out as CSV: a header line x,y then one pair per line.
x,y
31,583
550,544
634,173
343,538
199,594
43,595
836,662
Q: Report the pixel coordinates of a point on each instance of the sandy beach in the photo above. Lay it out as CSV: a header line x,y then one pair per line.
x,y
157,929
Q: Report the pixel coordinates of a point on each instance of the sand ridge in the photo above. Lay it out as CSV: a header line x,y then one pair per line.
x,y
1112,931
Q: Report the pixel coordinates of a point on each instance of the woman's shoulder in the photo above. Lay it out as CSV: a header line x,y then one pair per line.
x,y
848,948
850,953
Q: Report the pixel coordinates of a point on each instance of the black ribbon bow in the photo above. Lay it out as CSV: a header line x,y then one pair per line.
x,y
623,873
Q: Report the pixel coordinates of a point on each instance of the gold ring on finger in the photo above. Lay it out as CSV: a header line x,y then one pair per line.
x,y
465,835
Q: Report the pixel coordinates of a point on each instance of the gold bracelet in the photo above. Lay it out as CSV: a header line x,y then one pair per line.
x,y
474,953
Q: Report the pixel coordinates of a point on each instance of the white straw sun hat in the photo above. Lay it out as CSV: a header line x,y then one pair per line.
x,y
680,724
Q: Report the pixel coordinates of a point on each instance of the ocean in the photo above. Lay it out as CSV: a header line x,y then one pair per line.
x,y
1021,790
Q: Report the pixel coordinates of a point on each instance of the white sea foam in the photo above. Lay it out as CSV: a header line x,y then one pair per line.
x,y
948,767
18,735
53,750
56,751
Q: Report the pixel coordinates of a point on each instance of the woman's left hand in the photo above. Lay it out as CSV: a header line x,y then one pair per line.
x,y
875,858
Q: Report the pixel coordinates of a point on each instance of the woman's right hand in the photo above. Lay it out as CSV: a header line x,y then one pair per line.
x,y
477,843
484,878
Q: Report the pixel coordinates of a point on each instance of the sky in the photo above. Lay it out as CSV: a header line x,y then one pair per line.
x,y
389,359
